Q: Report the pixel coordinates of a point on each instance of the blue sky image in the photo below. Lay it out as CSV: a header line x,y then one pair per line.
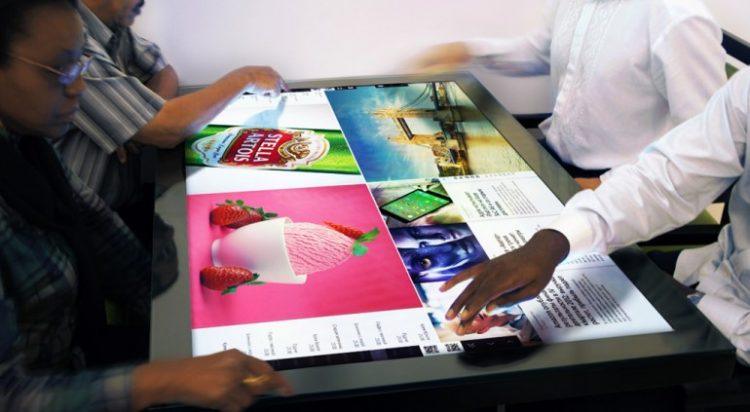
x,y
379,159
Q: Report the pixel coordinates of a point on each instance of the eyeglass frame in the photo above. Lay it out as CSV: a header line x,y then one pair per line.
x,y
77,70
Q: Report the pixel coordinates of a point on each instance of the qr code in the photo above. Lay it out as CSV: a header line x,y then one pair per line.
x,y
453,347
431,350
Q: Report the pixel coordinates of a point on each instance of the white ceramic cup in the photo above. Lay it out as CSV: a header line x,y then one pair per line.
x,y
258,247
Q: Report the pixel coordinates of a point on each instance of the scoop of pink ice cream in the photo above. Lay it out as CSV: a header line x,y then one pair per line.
x,y
314,248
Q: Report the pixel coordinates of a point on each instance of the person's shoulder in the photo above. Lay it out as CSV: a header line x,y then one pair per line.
x,y
666,13
669,16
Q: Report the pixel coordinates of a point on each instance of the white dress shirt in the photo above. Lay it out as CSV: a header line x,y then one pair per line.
x,y
673,180
624,72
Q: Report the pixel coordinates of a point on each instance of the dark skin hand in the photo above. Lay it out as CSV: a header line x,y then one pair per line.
x,y
513,277
589,182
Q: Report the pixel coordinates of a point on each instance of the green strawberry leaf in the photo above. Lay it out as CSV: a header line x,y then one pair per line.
x,y
257,283
229,202
251,281
233,289
229,290
359,249
369,236
264,215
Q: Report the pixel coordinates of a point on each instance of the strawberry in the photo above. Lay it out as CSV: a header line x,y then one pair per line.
x,y
227,278
348,231
359,236
235,214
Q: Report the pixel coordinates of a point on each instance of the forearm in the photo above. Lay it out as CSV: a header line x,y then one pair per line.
x,y
150,386
186,115
674,179
165,83
635,204
520,56
215,382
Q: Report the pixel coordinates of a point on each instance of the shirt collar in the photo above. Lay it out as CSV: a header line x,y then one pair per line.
x,y
94,26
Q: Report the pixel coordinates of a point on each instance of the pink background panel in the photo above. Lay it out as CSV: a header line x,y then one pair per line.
x,y
374,282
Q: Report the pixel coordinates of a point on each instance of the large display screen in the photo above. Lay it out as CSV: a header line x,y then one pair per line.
x,y
322,223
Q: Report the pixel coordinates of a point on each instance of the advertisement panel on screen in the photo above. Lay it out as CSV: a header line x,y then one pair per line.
x,y
322,223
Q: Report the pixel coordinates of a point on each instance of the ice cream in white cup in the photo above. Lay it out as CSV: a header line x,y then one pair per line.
x,y
281,251
260,248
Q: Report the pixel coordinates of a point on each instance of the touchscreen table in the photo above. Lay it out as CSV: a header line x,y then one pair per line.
x,y
320,225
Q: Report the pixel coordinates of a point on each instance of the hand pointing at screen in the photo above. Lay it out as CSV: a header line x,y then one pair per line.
x,y
508,279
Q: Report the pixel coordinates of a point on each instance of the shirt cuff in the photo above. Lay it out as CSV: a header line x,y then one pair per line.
x,y
577,229
480,47
723,314
115,390
158,66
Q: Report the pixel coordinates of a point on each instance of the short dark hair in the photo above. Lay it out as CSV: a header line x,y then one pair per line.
x,y
13,16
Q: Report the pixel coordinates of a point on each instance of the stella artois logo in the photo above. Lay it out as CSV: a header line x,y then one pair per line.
x,y
262,148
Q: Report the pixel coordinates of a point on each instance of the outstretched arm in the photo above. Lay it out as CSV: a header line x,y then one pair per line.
x,y
186,115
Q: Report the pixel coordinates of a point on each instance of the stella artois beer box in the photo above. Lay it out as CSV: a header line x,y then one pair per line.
x,y
291,149
238,146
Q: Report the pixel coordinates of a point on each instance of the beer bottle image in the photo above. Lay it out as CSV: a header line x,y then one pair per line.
x,y
289,149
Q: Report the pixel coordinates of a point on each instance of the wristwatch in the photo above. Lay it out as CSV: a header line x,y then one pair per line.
x,y
695,297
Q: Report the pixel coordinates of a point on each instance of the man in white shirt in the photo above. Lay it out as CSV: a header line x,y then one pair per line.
x,y
673,180
624,72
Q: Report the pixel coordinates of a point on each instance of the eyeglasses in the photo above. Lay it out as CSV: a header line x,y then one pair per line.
x,y
66,74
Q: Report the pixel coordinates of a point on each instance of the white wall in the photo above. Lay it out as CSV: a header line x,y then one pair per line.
x,y
734,15
306,39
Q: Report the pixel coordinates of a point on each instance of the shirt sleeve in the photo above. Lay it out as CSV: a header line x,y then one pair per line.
x,y
147,58
518,56
688,65
115,105
673,181
733,320
105,390
124,266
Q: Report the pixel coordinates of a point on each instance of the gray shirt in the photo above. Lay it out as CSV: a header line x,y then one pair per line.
x,y
114,107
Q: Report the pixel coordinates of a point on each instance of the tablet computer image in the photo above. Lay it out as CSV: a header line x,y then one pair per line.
x,y
414,205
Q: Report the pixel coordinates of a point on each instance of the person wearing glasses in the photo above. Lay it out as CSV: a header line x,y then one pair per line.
x,y
131,100
63,251
623,73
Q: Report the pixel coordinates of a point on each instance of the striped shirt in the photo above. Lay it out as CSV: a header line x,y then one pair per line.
x,y
40,368
114,107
